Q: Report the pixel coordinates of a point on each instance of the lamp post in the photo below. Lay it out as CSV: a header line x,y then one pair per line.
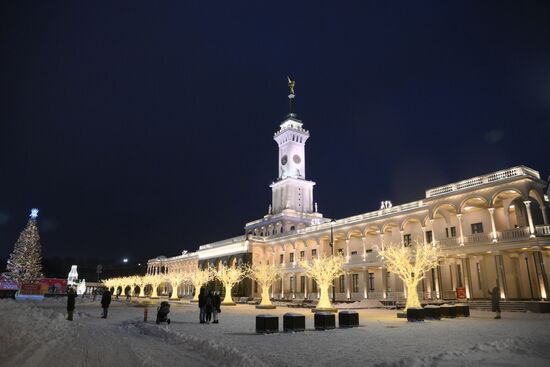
x,y
331,244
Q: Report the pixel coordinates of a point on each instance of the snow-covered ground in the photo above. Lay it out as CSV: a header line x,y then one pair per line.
x,y
36,333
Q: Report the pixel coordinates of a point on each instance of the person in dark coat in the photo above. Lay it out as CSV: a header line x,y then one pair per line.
x,y
216,304
202,306
495,300
208,307
105,302
71,296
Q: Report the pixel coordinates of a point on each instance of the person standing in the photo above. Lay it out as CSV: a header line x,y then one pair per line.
x,y
216,304
495,300
105,302
208,307
71,296
202,305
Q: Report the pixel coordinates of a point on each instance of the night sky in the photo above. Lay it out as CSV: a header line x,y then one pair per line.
x,y
142,129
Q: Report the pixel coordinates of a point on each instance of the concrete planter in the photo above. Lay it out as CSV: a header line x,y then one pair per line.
x,y
266,324
348,319
433,312
294,322
324,321
416,314
448,311
538,307
462,310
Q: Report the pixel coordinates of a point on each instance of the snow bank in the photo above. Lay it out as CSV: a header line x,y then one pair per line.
x,y
219,354
509,352
366,303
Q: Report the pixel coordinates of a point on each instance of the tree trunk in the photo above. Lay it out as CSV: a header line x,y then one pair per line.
x,y
324,300
265,296
228,299
412,295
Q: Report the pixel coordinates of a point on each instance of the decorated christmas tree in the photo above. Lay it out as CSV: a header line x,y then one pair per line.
x,y
25,262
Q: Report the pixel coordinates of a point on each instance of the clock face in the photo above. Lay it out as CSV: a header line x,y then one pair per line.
x,y
296,159
284,159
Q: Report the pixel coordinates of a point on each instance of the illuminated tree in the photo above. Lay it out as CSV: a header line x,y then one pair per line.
x,y
265,275
410,263
230,276
155,281
141,282
198,278
324,270
25,262
176,278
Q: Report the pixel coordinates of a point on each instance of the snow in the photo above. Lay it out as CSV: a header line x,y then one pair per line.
x,y
36,333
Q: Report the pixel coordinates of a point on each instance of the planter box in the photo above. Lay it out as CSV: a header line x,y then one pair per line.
x,y
416,314
448,311
294,322
433,312
266,324
538,307
324,321
348,319
462,310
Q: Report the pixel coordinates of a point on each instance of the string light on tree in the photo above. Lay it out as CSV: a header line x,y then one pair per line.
x,y
410,264
198,278
324,270
230,276
265,275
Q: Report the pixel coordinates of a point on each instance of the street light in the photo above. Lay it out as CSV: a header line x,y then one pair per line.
x,y
331,244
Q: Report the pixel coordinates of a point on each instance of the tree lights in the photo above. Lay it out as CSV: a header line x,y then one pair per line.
x,y
324,270
230,276
265,275
198,278
410,263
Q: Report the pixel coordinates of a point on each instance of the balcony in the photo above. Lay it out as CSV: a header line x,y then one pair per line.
x,y
519,171
542,230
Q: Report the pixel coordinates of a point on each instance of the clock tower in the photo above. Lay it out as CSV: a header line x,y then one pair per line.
x,y
292,190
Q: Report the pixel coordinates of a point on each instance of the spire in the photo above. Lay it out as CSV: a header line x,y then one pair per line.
x,y
291,95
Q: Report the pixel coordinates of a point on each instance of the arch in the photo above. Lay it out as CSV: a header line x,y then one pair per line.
x,y
409,220
506,193
447,206
354,233
474,201
372,229
537,196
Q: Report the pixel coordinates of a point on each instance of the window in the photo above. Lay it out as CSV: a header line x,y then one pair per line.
x,y
314,253
255,287
371,281
292,228
342,283
291,284
313,286
292,257
302,255
451,275
433,280
282,258
355,283
354,252
340,252
450,232
459,275
302,284
429,236
477,228
407,239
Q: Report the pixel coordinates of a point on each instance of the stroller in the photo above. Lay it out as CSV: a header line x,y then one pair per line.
x,y
162,312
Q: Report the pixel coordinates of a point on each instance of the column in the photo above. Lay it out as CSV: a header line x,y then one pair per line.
x,y
381,240
305,286
364,239
541,274
501,276
438,281
467,276
346,285
530,217
384,274
347,251
402,234
492,213
282,286
433,230
294,283
460,229
365,283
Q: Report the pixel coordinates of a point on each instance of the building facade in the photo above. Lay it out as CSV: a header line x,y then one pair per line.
x,y
492,229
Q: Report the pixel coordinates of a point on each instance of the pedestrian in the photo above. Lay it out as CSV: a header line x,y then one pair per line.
x,y
495,300
202,305
216,304
208,307
105,302
71,296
